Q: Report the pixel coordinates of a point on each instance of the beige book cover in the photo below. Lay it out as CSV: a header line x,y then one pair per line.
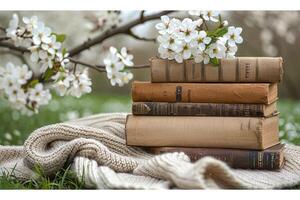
x,y
240,69
223,132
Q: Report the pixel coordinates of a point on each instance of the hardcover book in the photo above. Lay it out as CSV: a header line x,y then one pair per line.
x,y
255,93
268,159
218,132
240,69
203,109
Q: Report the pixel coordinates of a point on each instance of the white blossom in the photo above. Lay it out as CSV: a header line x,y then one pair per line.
x,y
39,95
166,53
16,95
41,34
52,46
31,22
201,40
201,56
103,20
163,26
11,31
61,87
46,63
8,70
198,22
115,78
17,84
126,77
231,51
168,41
186,39
14,32
233,35
62,59
74,84
78,89
216,50
195,12
125,57
187,30
210,15
206,15
184,52
22,74
115,64
9,83
225,23
122,78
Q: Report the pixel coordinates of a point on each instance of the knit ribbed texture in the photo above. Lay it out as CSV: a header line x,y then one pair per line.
x,y
96,149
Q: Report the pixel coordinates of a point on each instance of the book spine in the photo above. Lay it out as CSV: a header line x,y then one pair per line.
x,y
242,159
201,92
193,131
241,69
197,109
264,160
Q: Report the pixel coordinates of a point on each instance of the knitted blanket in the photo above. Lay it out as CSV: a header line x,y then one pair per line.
x,y
95,147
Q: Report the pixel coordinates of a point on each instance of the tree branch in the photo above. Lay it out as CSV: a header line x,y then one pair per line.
x,y
101,68
95,67
142,15
3,38
132,34
112,32
13,47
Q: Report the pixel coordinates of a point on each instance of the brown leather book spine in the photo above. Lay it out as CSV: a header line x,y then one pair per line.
x,y
197,109
240,69
235,158
258,93
192,131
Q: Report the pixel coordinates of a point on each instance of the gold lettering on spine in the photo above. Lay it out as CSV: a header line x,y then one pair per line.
x,y
247,70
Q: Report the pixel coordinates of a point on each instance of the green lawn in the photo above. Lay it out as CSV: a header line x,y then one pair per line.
x,y
15,128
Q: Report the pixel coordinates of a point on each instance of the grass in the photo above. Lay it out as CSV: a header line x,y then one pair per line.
x,y
15,128
63,179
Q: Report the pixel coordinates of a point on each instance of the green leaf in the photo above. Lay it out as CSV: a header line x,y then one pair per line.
x,y
33,82
221,31
60,37
215,61
218,32
48,74
64,51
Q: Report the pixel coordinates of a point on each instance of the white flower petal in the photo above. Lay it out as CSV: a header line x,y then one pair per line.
x,y
239,40
165,19
238,30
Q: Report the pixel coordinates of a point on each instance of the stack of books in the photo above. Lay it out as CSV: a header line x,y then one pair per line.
x,y
228,111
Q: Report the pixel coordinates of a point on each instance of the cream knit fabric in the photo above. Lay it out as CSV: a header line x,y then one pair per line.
x,y
95,147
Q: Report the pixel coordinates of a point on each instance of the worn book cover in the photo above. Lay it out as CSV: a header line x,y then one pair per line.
x,y
240,69
258,93
203,109
268,159
191,131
